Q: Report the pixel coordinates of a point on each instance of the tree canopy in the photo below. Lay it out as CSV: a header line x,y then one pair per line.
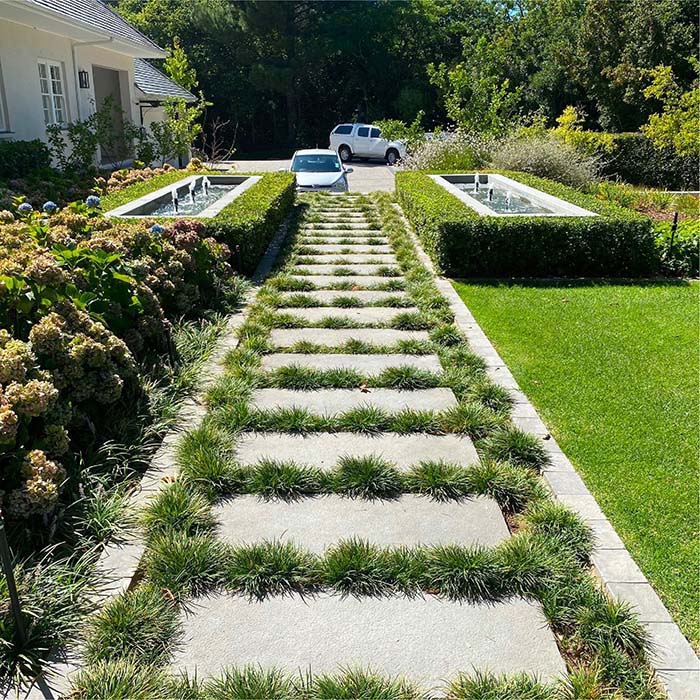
x,y
284,72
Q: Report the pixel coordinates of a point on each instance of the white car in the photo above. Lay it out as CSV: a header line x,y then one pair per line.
x,y
365,141
319,169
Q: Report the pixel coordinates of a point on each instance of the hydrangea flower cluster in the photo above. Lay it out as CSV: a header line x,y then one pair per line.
x,y
30,430
123,178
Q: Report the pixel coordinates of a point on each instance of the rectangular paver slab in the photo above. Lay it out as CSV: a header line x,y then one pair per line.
x,y
369,259
355,280
357,269
366,364
315,524
367,315
324,450
351,248
330,295
333,337
332,401
427,639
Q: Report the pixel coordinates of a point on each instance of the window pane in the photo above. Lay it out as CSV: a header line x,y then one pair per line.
x,y
48,112
56,80
43,80
376,133
343,129
58,109
363,132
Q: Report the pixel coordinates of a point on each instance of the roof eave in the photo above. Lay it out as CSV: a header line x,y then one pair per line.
x,y
86,33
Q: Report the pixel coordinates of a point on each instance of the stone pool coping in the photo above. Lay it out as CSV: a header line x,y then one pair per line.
x,y
122,212
561,206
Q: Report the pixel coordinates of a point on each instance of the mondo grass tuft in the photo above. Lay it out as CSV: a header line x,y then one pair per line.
x,y
439,480
462,573
204,461
410,321
140,624
515,446
178,508
487,686
471,419
407,378
356,567
270,568
251,683
362,684
513,488
556,520
366,477
185,565
365,419
288,481
124,679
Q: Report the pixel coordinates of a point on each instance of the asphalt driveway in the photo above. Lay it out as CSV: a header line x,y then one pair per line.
x,y
366,177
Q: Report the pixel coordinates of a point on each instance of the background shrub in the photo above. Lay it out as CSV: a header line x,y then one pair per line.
x,y
548,157
22,158
458,150
463,244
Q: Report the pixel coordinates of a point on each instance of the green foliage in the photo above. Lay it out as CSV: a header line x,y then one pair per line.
x,y
677,124
486,686
462,243
23,158
680,250
177,66
139,625
123,679
248,224
177,508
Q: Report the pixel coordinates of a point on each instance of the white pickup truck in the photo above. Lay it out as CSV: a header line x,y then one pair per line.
x,y
365,141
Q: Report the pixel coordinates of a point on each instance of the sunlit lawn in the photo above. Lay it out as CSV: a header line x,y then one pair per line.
x,y
613,369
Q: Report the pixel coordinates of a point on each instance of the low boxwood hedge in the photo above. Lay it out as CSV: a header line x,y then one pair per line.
x,y
248,224
462,243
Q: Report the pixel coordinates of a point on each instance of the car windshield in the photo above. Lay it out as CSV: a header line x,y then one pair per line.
x,y
316,164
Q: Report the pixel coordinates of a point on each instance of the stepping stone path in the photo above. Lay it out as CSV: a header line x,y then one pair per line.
x,y
428,639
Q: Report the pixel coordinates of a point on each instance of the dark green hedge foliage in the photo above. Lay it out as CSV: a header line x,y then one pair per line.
x,y
248,224
23,158
636,160
618,242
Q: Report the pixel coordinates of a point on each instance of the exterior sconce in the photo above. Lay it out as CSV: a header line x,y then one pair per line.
x,y
83,79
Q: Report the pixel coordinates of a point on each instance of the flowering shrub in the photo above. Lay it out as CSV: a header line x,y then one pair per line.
x,y
32,431
120,179
81,297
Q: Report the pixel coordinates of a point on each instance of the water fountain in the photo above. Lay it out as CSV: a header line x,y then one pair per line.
x,y
205,185
176,201
192,187
476,183
489,195
509,200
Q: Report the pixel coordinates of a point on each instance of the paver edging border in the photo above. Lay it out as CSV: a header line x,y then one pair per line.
x,y
119,562
675,662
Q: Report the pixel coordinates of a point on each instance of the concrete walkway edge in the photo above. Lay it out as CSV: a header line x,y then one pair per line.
x,y
674,660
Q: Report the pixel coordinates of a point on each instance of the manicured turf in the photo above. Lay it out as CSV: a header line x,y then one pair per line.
x,y
613,369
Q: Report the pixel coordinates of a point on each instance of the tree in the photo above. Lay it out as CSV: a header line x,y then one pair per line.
x,y
678,123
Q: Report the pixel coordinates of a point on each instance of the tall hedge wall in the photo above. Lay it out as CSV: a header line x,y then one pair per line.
x,y
248,224
464,244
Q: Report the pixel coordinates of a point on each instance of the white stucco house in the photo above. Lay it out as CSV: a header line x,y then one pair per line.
x,y
59,60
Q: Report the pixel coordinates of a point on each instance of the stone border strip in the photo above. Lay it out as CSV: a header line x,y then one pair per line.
x,y
674,660
118,565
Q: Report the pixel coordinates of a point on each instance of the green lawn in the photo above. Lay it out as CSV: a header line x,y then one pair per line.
x,y
613,369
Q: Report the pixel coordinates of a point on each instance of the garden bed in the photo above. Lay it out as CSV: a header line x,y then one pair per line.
x,y
463,243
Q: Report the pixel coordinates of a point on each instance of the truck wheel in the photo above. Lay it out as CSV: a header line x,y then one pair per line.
x,y
345,154
392,156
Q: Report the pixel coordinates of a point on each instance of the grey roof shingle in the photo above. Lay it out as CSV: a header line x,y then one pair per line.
x,y
151,81
97,16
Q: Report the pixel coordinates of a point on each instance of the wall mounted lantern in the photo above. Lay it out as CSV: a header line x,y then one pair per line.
x,y
83,79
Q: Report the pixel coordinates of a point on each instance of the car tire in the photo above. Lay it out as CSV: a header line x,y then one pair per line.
x,y
392,156
345,154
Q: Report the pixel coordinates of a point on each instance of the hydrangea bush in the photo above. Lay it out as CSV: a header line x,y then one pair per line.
x,y
82,298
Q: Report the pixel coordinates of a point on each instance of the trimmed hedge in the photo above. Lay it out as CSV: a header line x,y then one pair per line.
x,y
22,158
249,223
464,244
